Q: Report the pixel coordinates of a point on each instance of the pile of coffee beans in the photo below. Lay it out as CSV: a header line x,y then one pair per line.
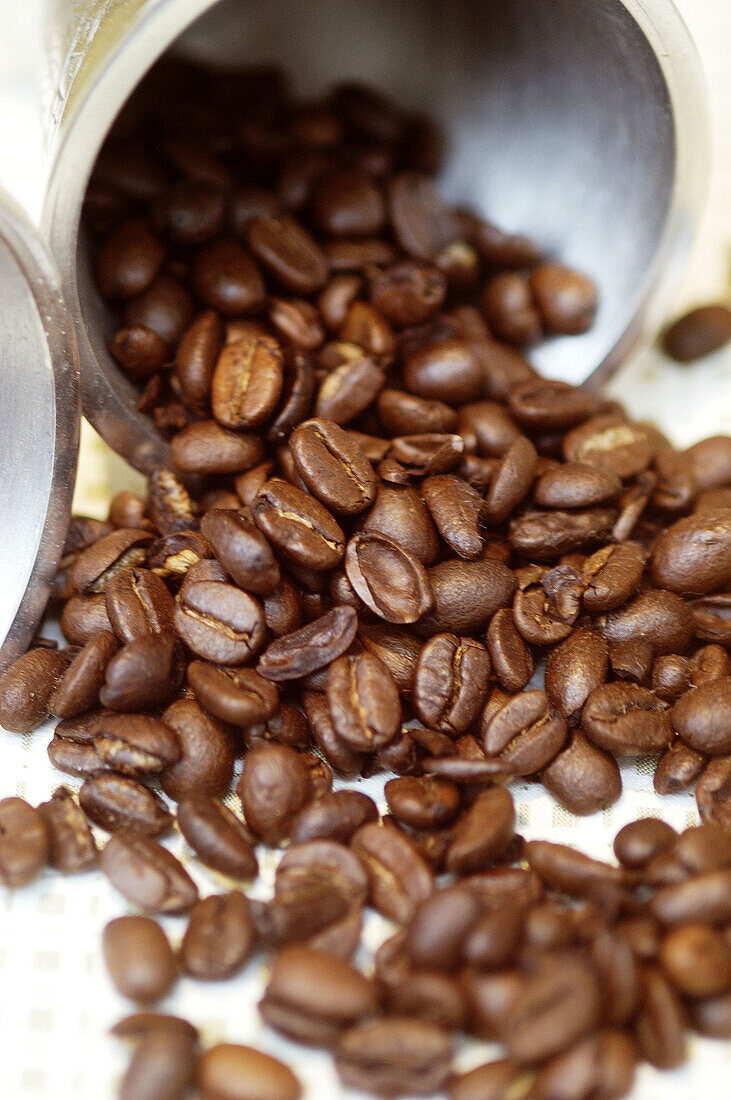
x,y
378,522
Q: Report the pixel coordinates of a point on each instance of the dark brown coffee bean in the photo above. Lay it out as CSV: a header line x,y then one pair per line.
x,y
574,669
662,618
247,382
566,299
288,252
99,563
524,732
582,777
162,1067
177,556
490,998
483,832
228,1071
408,293
512,479
139,351
312,996
217,836
206,754
547,603
447,371
219,937
242,550
350,387
333,467
510,309
398,877
422,803
190,212
575,485
336,299
389,580
458,512
298,525
78,690
138,604
626,719
671,677
660,1025
334,816
139,958
207,448
24,842
546,405
494,940
71,846
398,649
83,618
141,674
147,875
346,203
274,786
557,1007
26,688
693,556
678,767
435,935
512,661
395,1056
466,596
613,575
423,454
697,960
546,536
135,744
226,279
405,414
165,306
640,841
219,622
74,756
296,321
698,333
283,609
239,696
365,708
451,682
400,514
312,647
562,868
703,897
129,260
289,727
118,802
713,792
169,505
701,717
420,219
195,360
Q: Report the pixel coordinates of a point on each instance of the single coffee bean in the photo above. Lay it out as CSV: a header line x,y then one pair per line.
x,y
659,617
139,351
350,387
698,333
678,767
162,1067
312,647
226,279
333,467
196,358
71,846
296,321
400,514
312,997
510,309
566,299
242,550
206,753
575,485
135,744
169,505
466,596
398,877
139,958
582,777
147,875
483,832
524,732
547,603
99,563
239,696
219,937
608,442
141,674
558,1006
545,536
138,603
426,453
709,663
423,802
364,703
626,719
247,382
713,792
274,785
702,717
394,1057
228,1071
697,960
217,836
613,575
78,690
671,677
24,842
491,1081
435,935
661,1022
139,1025
574,669
165,306
458,512
447,371
26,688
298,525
118,802
74,756
129,260
219,622
703,897
207,448
82,618
405,414
451,682
512,479
512,661
640,841
562,868
343,759
288,252
333,816
389,580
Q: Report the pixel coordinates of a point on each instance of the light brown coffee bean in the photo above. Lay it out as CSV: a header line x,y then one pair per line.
x,y
228,1071
219,937
24,842
26,688
147,874
139,958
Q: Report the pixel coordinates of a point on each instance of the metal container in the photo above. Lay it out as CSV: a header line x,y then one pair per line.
x,y
582,124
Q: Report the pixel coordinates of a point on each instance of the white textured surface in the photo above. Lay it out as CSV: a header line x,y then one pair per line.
x,y
56,1002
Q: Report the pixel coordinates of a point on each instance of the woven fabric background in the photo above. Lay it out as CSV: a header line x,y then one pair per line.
x,y
56,1003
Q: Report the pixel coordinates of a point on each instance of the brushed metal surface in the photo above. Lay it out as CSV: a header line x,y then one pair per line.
x,y
39,424
580,123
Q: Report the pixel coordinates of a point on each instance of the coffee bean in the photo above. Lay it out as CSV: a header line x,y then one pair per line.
x,y
626,719
670,677
698,333
219,622
389,580
613,575
458,512
231,1072
82,618
400,514
129,260
24,842
701,717
677,768
398,877
334,816
333,467
147,875
196,358
608,442
566,299
466,596
640,841
660,1025
451,682
206,754
162,1067
247,382
511,658
545,536
219,937
138,603
139,351
207,448
420,219
298,525
394,1056
448,371
312,997
274,786
312,647
226,279
350,387
697,960
239,696
557,1006
140,1025
71,846
703,897
491,1081
713,792
524,732
423,802
405,414
139,958
242,550
135,744
562,868
217,836
118,802
343,759
141,674
693,556
483,832
398,649
582,777
27,687
364,703
547,603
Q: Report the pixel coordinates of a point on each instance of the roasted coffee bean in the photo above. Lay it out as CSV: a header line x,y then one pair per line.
x,y
466,596
422,802
424,453
162,1067
129,260
346,203
247,382
703,897
242,550
566,299
421,221
288,252
408,293
491,1081
545,536
660,1024
165,306
24,842
297,321
99,563
147,874
574,669
523,732
78,690
712,1016
74,756
298,525
711,462
26,688
671,677
545,405
512,479
582,777
336,815
677,768
400,514
228,1071
483,832
169,504
447,371
608,442
135,744
343,759
177,555
206,759
395,1056
350,387
138,603
283,609
333,467
364,703
701,717
659,617
288,726
712,618
558,1006
274,786
702,848
613,575
312,647
451,682
139,351
219,937
562,868
82,618
139,958
389,580
207,448
458,512
217,836
398,877
219,622
436,933
495,938
141,674
226,279
512,661
71,846
547,603
712,662
398,649
713,792
312,997
640,841
698,333
626,719
510,309
118,802
196,358
697,960
239,696
574,485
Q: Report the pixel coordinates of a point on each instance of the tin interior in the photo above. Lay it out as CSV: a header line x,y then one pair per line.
x,y
562,127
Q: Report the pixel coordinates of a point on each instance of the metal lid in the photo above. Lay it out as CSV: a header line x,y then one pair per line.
x,y
39,428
